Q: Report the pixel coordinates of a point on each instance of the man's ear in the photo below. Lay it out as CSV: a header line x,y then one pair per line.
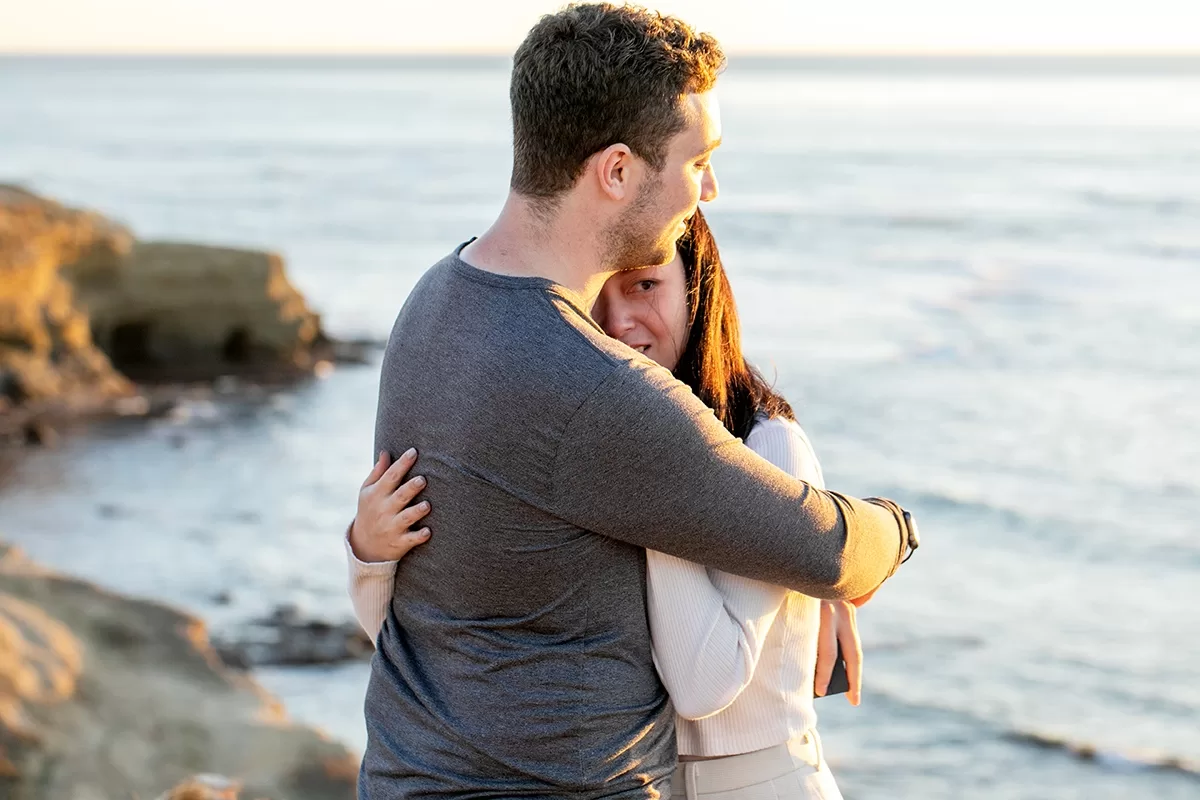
x,y
613,169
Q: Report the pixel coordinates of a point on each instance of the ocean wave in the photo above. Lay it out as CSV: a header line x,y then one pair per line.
x,y
1067,529
1114,759
947,502
1163,206
1170,252
948,642
929,222
1109,758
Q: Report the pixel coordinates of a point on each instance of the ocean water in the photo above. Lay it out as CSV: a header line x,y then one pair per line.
x,y
978,282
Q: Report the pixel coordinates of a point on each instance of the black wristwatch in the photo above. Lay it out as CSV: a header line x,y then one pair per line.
x,y
914,535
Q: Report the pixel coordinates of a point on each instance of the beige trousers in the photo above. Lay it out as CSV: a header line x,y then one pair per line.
x,y
792,771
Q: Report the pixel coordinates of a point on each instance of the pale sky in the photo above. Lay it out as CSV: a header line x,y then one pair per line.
x,y
341,26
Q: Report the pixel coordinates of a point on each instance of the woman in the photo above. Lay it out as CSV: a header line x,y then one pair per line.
x,y
740,658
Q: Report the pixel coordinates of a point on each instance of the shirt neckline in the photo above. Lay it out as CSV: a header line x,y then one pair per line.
x,y
478,275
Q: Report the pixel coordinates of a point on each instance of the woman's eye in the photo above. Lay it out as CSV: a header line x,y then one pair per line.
x,y
702,165
644,286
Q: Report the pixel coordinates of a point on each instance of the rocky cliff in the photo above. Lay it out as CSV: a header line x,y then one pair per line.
x,y
184,308
84,306
47,356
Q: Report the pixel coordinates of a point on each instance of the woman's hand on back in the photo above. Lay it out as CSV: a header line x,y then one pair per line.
x,y
839,624
382,528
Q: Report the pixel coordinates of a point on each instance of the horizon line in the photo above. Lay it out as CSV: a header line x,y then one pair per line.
x,y
506,53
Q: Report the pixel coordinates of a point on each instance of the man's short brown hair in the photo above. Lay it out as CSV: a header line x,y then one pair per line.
x,y
596,74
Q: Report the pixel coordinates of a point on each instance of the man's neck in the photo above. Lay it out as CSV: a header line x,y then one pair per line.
x,y
524,244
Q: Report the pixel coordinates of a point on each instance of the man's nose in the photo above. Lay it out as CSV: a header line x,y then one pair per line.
x,y
708,185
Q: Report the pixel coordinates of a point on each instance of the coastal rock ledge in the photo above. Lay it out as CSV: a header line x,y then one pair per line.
x,y
47,357
85,308
103,696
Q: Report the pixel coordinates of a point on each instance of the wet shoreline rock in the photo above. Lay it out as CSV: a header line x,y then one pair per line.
x,y
287,638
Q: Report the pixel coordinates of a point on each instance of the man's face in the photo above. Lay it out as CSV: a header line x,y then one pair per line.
x,y
649,228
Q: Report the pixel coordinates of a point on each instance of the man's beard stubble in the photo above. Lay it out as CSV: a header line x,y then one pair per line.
x,y
635,239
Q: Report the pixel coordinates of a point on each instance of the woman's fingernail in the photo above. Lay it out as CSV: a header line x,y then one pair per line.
x,y
410,452
424,505
382,454
420,479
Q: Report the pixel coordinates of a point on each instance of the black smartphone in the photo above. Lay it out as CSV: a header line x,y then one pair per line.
x,y
839,682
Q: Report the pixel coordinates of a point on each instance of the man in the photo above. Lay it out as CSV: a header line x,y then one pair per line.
x,y
515,659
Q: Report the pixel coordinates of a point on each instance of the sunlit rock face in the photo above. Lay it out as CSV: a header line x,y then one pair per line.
x,y
85,308
197,310
47,354
106,696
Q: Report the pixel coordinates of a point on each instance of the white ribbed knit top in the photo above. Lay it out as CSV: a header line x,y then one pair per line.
x,y
737,656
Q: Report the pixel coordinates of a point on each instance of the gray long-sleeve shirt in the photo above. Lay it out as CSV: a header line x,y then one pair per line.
x,y
516,660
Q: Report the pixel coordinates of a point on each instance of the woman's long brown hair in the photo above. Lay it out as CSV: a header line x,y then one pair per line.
x,y
712,362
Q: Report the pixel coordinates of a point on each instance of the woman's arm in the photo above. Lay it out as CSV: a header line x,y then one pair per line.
x,y
380,535
709,627
371,584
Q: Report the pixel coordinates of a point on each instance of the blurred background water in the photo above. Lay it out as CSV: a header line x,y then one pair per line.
x,y
978,281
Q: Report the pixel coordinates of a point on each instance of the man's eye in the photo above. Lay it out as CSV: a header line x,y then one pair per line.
x,y
702,165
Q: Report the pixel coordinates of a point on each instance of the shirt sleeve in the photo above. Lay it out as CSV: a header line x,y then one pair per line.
x,y
709,627
644,461
371,585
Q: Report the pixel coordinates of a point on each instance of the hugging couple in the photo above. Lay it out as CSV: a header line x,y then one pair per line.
x,y
622,592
